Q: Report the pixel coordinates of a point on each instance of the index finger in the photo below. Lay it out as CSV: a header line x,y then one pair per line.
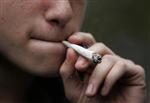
x,y
81,38
101,49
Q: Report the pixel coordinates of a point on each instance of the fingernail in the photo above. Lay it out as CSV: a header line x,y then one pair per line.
x,y
90,89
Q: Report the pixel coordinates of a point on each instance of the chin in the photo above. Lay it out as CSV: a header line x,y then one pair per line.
x,y
38,58
46,71
46,67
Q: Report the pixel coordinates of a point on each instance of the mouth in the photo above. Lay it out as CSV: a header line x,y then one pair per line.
x,y
50,45
46,40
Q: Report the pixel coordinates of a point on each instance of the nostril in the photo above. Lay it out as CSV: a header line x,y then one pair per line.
x,y
60,13
57,22
54,22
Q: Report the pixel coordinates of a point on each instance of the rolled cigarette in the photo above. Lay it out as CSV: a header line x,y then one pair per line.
x,y
90,55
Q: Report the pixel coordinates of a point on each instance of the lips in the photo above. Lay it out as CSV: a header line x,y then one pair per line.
x,y
44,31
49,35
41,46
44,39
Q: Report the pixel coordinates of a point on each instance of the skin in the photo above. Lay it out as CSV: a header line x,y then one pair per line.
x,y
34,31
114,80
31,33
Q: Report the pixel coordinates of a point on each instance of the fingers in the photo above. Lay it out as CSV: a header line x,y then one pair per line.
x,y
113,76
99,74
67,68
134,76
99,48
70,78
86,39
111,70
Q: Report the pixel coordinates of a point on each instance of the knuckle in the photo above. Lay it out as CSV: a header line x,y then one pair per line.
x,y
130,61
139,67
87,38
121,64
88,34
107,57
101,46
141,75
90,38
141,70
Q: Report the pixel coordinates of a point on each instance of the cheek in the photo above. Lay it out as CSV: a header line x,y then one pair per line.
x,y
79,7
19,12
16,21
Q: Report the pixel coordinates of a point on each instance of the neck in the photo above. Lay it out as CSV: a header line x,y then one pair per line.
x,y
13,82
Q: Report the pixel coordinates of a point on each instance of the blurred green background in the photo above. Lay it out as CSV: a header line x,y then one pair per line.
x,y
123,25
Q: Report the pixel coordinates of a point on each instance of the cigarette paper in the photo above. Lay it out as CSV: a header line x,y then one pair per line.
x,y
90,55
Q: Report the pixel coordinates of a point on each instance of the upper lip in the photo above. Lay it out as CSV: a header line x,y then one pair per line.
x,y
51,36
48,38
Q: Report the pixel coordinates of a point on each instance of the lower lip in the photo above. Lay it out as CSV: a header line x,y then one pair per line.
x,y
46,46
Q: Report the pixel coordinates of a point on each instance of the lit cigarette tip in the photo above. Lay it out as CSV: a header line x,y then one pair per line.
x,y
96,58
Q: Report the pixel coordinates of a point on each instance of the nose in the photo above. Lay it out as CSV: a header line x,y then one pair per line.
x,y
59,12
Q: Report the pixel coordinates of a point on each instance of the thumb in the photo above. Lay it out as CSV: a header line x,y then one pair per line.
x,y
71,81
67,69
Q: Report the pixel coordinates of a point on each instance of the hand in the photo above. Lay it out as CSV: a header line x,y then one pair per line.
x,y
114,80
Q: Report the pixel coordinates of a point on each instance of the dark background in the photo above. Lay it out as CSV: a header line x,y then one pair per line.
x,y
123,25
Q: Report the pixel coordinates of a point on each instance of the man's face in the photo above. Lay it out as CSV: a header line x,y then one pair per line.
x,y
31,31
